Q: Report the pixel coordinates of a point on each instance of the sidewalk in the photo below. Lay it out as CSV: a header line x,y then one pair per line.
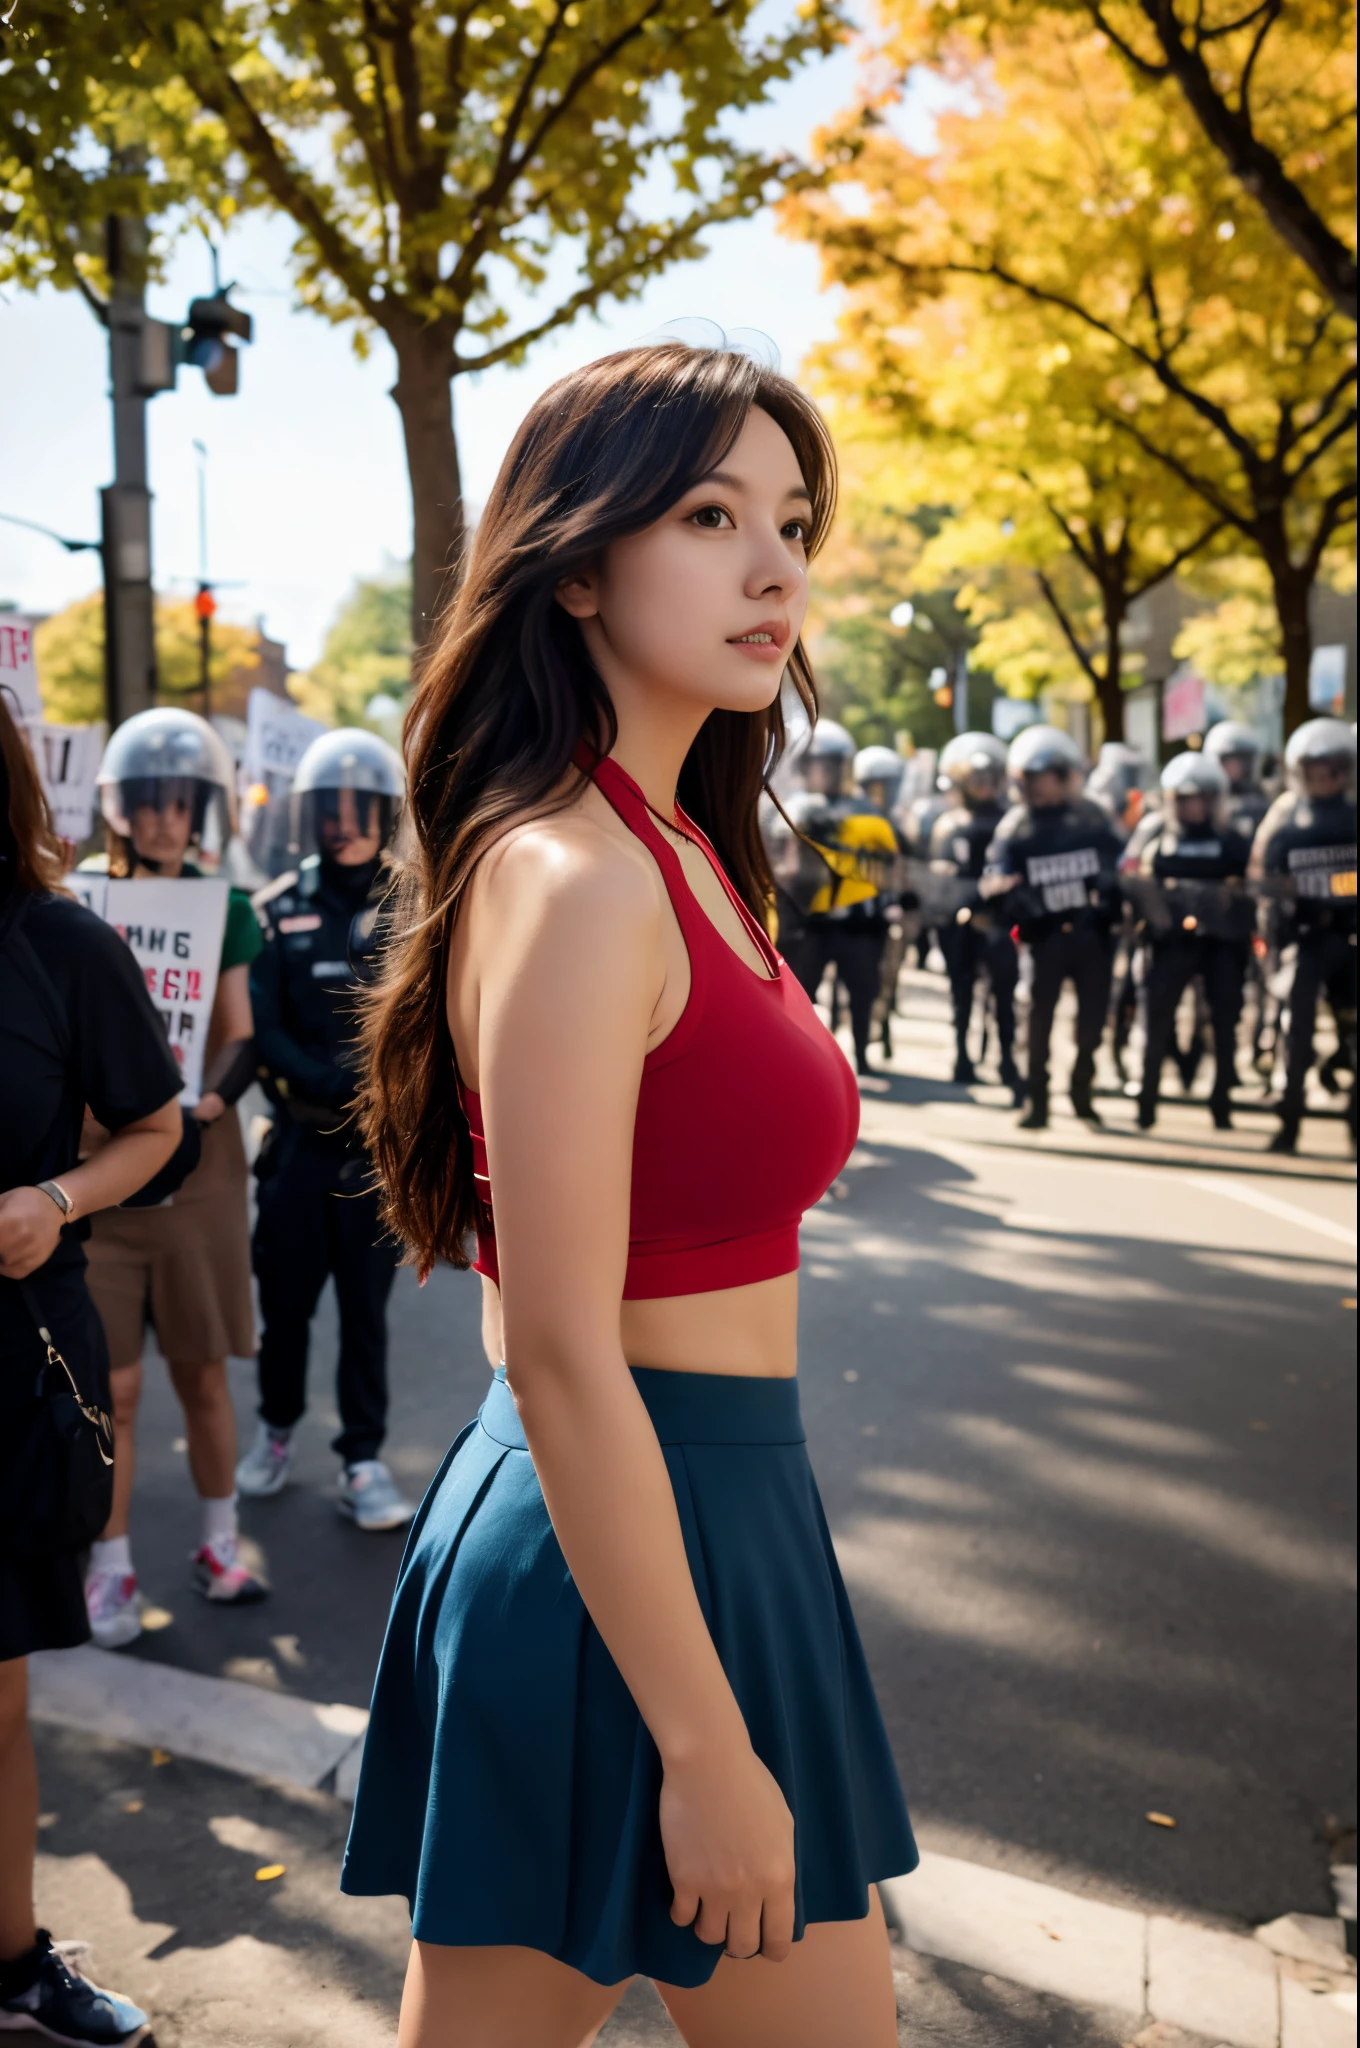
x,y
154,1865
151,1849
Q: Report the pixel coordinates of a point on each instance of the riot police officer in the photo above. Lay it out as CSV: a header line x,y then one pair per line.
x,y
878,775
1237,750
1053,860
976,938
1304,858
318,1207
1185,870
833,890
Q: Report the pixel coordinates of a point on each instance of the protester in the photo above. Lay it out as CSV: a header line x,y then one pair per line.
x,y
76,1028
623,1722
183,1266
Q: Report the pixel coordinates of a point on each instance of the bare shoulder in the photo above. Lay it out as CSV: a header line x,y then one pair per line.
x,y
569,865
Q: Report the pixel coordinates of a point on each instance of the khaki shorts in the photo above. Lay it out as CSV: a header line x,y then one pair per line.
x,y
183,1268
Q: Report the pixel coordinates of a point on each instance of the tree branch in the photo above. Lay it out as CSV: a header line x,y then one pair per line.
x,y
1257,167
1178,561
1068,630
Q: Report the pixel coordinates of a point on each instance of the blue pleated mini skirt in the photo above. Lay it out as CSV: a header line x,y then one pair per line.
x,y
509,1789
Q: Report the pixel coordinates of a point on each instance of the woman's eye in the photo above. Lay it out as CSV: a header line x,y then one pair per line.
x,y
794,529
711,517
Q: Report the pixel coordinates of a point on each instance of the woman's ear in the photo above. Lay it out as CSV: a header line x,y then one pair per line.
x,y
578,594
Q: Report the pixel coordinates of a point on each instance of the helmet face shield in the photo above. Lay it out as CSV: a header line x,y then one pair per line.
x,y
164,770
345,825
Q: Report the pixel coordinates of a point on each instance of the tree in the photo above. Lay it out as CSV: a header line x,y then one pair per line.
x,y
70,654
367,654
1054,507
430,152
93,123
879,678
1067,194
1271,87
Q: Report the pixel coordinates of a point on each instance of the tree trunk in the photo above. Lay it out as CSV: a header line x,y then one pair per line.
x,y
1293,588
424,397
1110,682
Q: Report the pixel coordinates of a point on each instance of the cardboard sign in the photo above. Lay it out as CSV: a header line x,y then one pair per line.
x,y
68,758
277,737
18,668
175,932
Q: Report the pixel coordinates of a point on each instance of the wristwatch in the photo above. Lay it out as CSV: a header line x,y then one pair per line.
x,y
55,1192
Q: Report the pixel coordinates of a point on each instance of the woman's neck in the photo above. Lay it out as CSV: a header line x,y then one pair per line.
x,y
652,744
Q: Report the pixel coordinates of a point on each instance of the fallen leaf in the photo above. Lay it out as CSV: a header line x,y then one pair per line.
x,y
1160,1820
267,1872
1348,1300
157,1618
160,1756
134,1806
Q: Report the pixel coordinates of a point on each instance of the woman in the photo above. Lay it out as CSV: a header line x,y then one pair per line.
x,y
165,787
622,1722
76,1028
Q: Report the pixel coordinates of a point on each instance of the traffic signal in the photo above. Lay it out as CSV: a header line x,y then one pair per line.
x,y
203,340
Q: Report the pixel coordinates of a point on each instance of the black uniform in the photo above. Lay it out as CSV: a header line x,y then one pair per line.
x,y
318,1208
1308,843
835,909
1188,883
1065,905
978,938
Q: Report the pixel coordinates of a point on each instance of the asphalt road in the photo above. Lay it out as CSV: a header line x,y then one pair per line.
x,y
1083,1411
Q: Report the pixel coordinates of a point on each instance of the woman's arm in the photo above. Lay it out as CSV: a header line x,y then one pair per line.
x,y
30,1221
566,944
230,1033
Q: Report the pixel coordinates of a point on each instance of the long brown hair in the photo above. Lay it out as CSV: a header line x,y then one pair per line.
x,y
30,851
507,693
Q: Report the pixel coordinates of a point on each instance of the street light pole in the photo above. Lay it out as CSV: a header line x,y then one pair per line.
x,y
125,504
205,604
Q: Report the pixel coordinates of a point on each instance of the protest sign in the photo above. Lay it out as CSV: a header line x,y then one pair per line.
x,y
18,667
89,888
68,758
174,929
277,736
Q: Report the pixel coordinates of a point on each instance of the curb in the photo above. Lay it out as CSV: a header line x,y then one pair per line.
x,y
1290,1986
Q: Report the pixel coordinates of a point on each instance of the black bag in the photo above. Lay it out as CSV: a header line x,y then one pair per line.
x,y
58,1489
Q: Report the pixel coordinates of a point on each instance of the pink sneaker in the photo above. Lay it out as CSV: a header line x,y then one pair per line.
x,y
220,1575
114,1606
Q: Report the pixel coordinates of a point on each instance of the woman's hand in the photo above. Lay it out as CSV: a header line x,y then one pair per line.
x,y
30,1225
208,1108
728,1837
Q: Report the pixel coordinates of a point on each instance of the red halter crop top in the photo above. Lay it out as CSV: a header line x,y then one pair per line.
x,y
746,1113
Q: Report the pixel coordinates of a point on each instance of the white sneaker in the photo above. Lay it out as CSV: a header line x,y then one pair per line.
x,y
266,1465
114,1606
369,1496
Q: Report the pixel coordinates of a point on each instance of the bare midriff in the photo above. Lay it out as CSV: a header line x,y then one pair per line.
x,y
747,1332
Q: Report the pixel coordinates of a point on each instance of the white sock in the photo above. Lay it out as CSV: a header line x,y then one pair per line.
x,y
112,1554
219,1520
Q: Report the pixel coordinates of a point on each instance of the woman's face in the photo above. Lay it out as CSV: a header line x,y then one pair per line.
x,y
707,603
161,833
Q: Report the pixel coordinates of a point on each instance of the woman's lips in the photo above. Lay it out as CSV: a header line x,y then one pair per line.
x,y
763,643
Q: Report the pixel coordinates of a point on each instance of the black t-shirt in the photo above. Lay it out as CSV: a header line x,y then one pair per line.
x,y
114,1058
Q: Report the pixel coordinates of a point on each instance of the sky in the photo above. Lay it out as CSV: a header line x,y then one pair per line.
x,y
306,479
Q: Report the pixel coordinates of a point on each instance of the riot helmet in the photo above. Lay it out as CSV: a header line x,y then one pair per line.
x,y
1043,750
1116,782
1239,749
163,770
826,756
879,768
1321,739
346,794
974,763
1192,780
